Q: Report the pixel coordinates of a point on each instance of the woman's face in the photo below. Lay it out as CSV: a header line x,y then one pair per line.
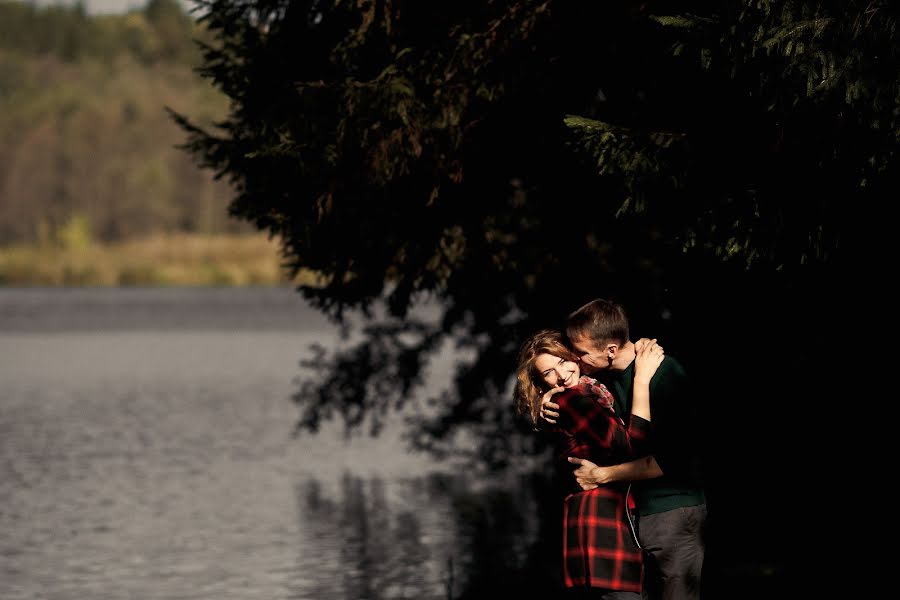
x,y
557,371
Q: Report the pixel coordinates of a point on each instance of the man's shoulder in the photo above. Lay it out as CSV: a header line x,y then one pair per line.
x,y
670,372
671,365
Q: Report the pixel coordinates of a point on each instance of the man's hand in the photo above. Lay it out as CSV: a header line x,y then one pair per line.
x,y
588,475
549,408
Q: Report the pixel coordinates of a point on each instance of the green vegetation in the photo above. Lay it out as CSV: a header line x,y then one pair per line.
x,y
85,138
182,259
161,32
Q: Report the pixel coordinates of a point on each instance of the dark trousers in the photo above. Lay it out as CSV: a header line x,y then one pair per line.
x,y
673,552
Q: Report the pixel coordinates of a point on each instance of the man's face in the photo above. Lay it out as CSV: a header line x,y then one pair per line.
x,y
591,357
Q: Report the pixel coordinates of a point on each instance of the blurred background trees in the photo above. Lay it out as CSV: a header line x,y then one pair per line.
x,y
84,129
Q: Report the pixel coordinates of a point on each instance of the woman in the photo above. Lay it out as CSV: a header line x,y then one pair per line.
x,y
601,558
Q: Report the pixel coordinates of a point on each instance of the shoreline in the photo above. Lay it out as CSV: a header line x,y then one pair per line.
x,y
161,260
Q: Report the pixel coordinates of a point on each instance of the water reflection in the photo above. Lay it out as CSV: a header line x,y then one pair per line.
x,y
366,544
156,461
437,536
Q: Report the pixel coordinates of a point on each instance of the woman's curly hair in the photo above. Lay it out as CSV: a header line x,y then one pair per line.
x,y
530,385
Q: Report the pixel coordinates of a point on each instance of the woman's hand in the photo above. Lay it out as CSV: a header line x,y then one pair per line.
x,y
648,356
548,407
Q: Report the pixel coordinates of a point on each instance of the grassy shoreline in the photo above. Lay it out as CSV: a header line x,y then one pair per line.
x,y
159,260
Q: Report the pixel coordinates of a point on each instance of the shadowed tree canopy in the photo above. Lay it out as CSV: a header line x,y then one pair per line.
x,y
710,165
721,169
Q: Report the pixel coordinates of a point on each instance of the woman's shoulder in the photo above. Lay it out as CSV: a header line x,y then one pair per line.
x,y
587,393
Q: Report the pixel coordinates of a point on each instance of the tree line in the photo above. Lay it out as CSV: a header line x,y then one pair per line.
x,y
160,31
84,128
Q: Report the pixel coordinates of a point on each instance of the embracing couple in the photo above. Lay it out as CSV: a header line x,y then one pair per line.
x,y
622,417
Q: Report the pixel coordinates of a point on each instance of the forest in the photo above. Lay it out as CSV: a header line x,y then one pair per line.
x,y
86,137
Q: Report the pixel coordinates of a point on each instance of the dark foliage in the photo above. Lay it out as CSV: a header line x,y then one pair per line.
x,y
719,168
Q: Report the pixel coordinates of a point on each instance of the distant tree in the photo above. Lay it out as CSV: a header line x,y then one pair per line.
x,y
162,31
173,26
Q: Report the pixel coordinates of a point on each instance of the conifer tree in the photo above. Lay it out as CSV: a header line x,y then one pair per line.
x,y
512,160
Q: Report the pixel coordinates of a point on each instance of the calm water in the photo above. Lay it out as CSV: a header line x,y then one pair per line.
x,y
146,452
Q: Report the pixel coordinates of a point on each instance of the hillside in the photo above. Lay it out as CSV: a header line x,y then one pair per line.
x,y
83,128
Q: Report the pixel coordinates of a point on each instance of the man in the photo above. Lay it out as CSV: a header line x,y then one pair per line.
x,y
668,490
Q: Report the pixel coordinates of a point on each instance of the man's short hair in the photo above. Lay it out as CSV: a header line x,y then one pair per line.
x,y
600,321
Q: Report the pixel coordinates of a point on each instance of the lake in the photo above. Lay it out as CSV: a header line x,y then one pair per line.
x,y
147,452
